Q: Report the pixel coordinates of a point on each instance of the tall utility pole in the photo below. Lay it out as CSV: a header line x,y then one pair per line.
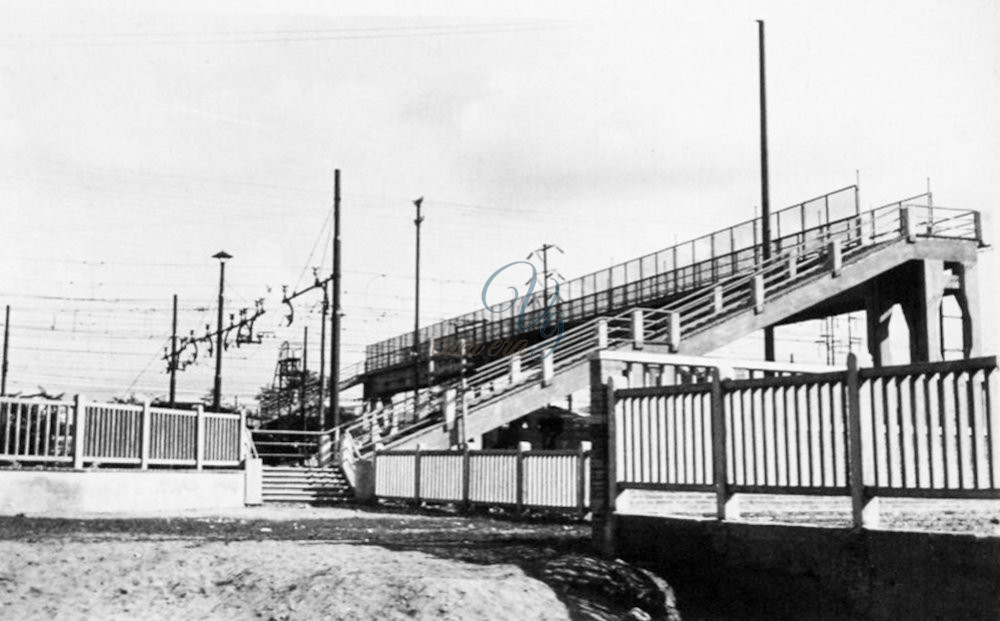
x,y
320,420
416,318
765,192
544,251
335,311
304,382
222,256
173,355
6,340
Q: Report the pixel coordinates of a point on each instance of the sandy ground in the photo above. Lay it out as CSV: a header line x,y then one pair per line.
x,y
294,563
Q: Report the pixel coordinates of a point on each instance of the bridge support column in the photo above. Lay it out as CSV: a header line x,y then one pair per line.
x,y
968,300
878,312
922,309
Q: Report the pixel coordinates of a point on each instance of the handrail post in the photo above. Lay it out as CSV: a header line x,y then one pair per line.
x,y
548,369
146,431
674,330
602,333
757,293
515,368
717,299
638,329
835,257
199,441
793,263
907,226
79,430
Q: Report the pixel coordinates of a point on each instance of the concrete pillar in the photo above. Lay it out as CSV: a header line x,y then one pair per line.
x,y
878,312
450,401
922,309
968,301
548,370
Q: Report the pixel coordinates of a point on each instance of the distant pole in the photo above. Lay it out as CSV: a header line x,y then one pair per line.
x,y
335,311
416,317
222,256
173,356
320,420
6,340
765,192
544,251
304,381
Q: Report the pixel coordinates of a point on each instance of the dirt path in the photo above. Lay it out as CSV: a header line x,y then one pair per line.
x,y
337,565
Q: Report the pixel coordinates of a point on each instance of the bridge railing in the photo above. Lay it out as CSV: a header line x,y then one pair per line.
x,y
79,433
649,278
918,431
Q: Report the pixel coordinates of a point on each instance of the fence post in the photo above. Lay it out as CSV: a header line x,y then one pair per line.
x,y
242,455
520,478
864,512
581,481
199,438
416,475
79,430
717,300
726,505
793,263
466,470
146,433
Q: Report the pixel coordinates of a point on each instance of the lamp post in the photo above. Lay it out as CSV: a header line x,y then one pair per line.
x,y
222,256
416,318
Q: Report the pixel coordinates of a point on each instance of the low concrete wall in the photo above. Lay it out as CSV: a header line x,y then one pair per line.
x,y
53,492
788,572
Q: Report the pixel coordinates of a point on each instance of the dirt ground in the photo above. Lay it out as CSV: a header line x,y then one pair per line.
x,y
288,563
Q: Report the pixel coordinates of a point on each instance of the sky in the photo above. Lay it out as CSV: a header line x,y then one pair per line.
x,y
139,139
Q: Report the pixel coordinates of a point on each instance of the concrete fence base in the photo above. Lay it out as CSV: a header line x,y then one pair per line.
x,y
794,572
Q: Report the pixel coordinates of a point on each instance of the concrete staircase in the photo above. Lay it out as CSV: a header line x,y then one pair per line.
x,y
308,484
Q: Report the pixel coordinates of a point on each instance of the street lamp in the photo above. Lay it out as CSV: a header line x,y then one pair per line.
x,y
222,256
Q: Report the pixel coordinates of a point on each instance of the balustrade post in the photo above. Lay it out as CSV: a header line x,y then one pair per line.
x,y
717,299
758,293
79,430
793,263
638,329
835,257
146,431
199,438
602,333
548,369
907,224
515,368
674,330
242,450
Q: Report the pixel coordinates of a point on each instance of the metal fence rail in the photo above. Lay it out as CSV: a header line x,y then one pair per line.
x,y
521,479
78,433
922,431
